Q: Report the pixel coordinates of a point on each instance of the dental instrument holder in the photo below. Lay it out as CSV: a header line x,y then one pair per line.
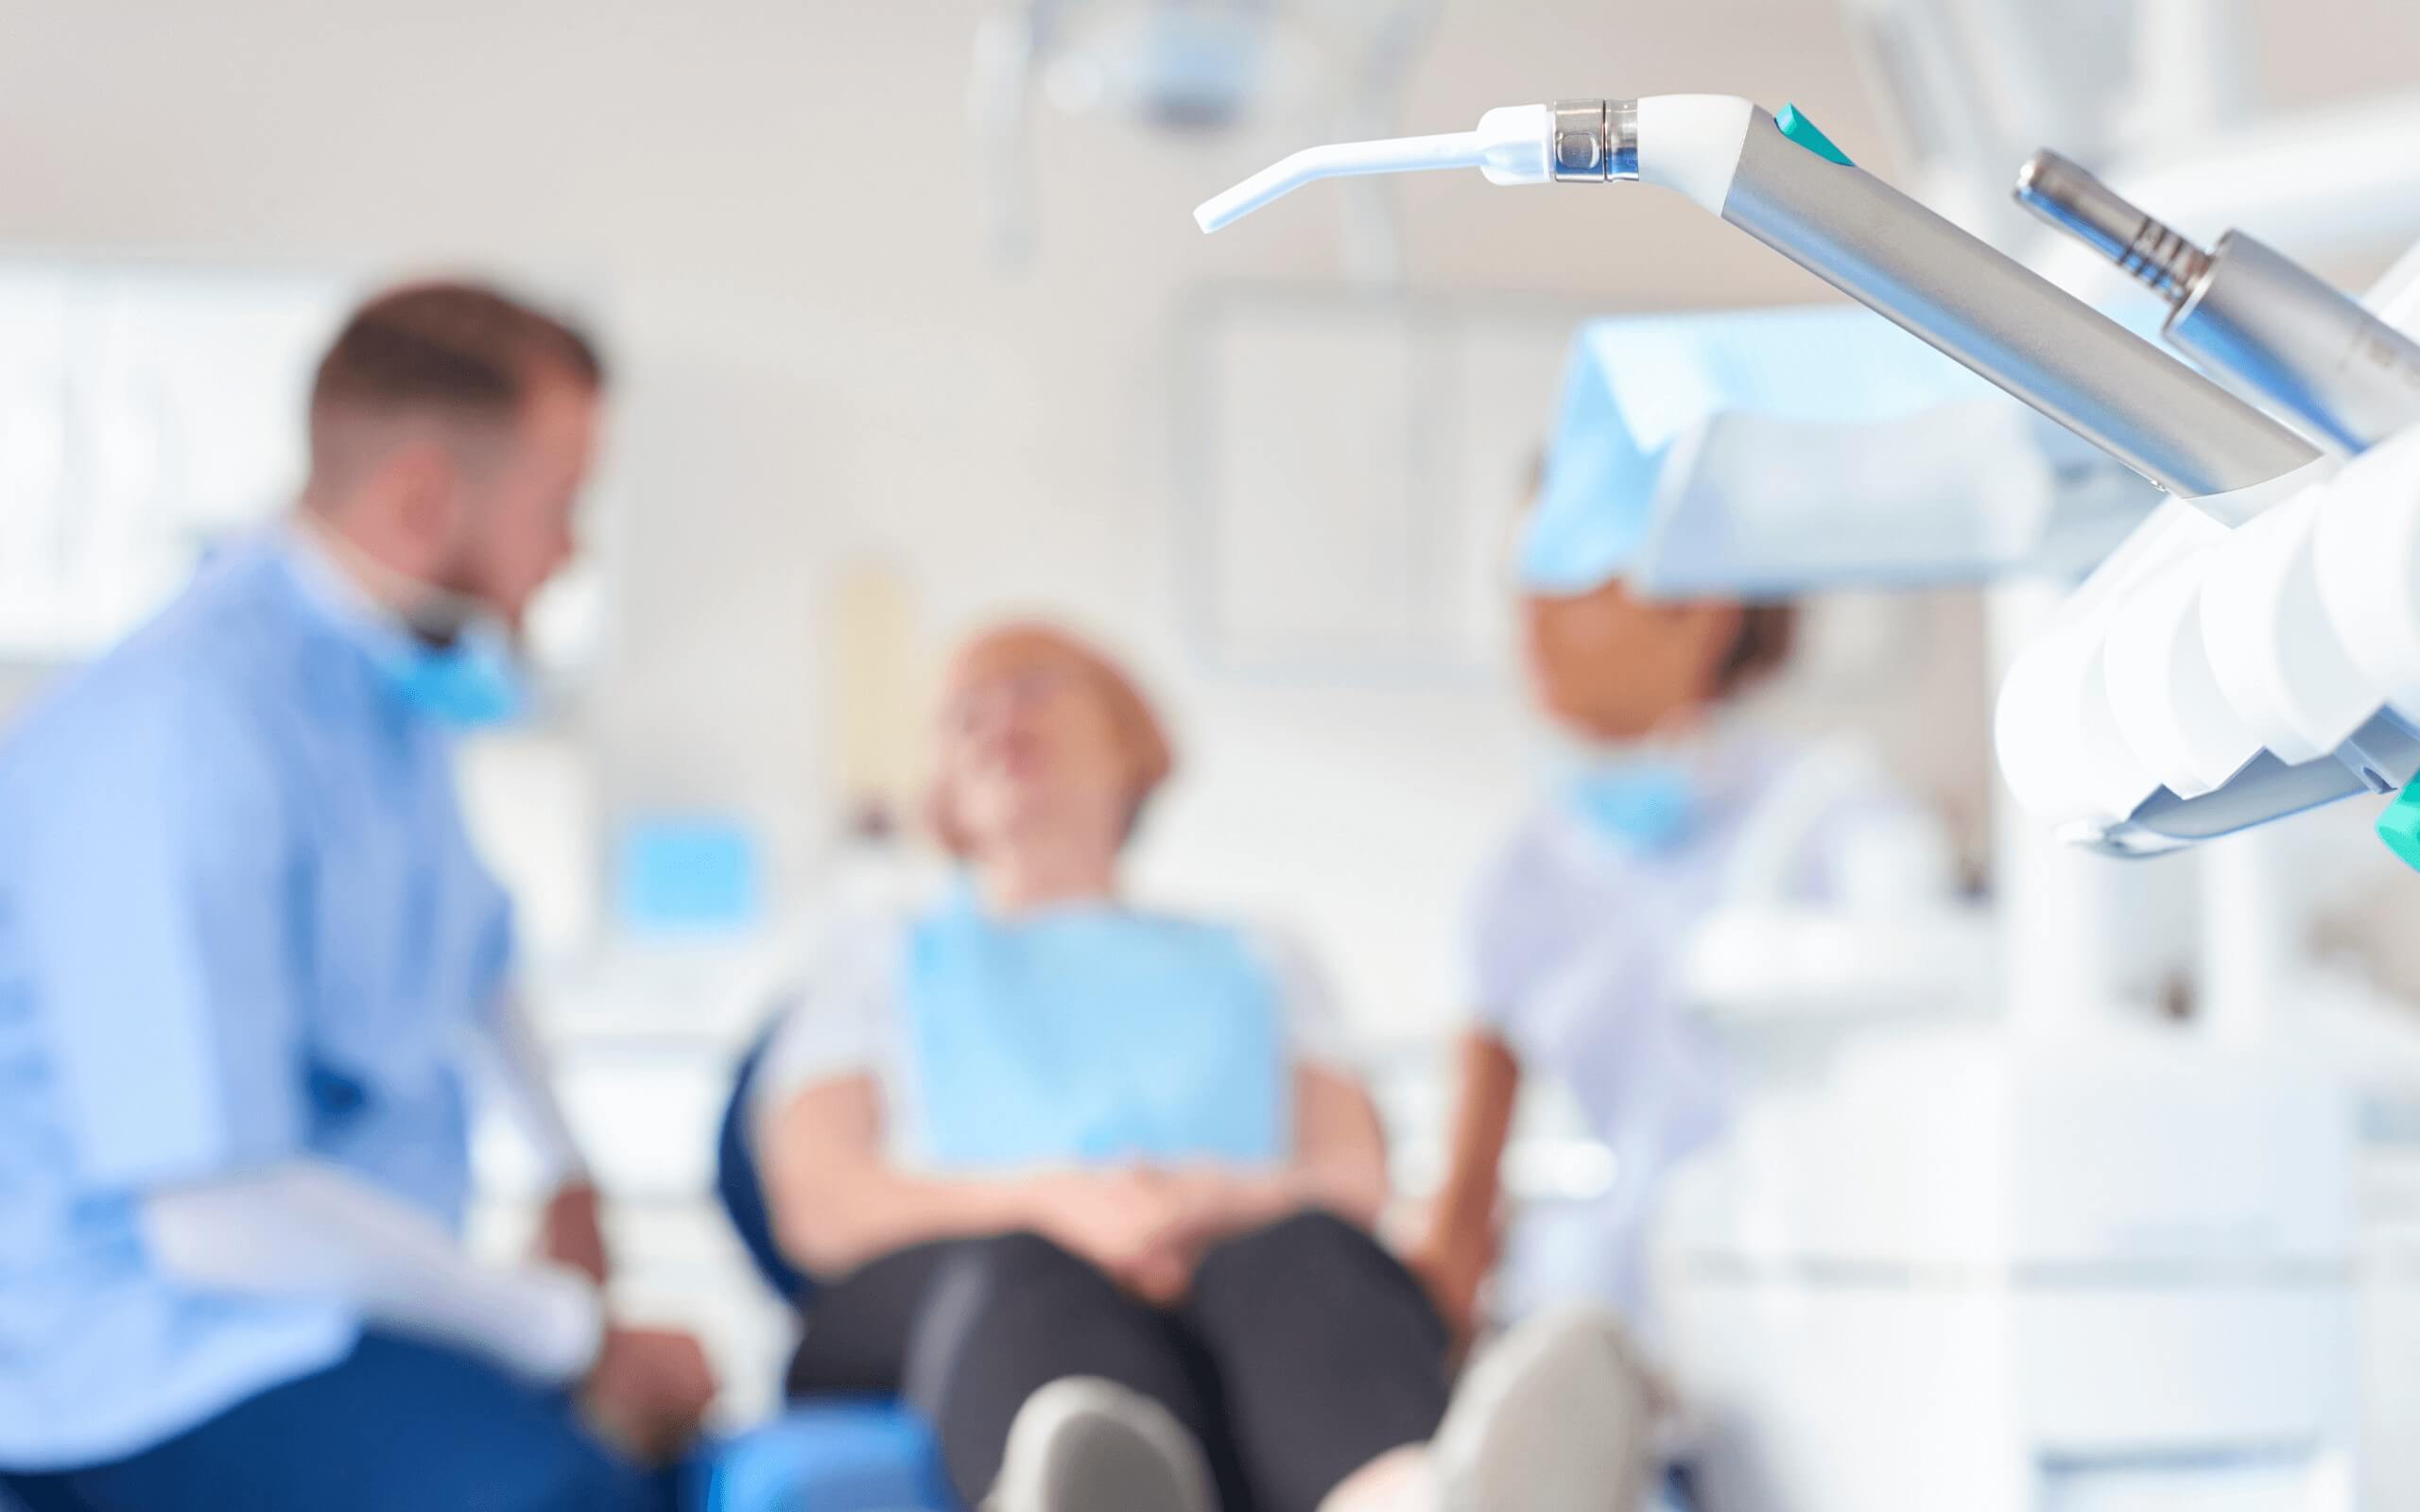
x,y
2245,312
1950,290
1789,186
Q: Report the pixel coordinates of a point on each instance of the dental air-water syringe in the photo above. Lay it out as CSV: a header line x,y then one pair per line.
x,y
1782,182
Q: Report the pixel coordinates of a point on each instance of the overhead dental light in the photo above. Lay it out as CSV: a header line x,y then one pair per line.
x,y
1199,66
1189,68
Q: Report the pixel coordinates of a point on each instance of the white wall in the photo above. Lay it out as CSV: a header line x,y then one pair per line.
x,y
817,362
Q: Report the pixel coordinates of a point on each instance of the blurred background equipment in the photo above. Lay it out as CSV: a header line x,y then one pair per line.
x,y
145,412
1399,410
1188,68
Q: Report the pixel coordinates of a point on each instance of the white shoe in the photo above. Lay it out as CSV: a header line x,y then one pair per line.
x,y
1082,1445
1559,1416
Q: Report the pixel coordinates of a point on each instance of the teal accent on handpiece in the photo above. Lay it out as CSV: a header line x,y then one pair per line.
x,y
2399,827
1800,130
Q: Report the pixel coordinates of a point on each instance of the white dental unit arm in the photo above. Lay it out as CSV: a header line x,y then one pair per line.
x,y
2077,709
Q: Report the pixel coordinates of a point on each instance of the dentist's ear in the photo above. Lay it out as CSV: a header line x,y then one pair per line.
x,y
420,489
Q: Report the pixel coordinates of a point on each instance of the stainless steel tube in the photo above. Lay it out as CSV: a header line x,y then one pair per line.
x,y
2072,199
2260,318
2011,325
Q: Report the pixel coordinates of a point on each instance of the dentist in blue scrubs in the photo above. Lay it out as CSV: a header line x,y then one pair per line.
x,y
247,954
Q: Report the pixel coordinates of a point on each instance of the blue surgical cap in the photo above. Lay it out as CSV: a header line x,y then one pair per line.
x,y
1634,387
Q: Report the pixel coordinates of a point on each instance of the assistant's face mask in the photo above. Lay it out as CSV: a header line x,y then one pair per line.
x,y
1649,803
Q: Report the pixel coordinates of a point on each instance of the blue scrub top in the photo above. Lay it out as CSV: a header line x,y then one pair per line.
x,y
240,923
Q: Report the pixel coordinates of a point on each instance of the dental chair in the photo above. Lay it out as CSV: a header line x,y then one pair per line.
x,y
840,1455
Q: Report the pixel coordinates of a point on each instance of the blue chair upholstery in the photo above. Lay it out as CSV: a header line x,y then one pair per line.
x,y
742,1190
836,1456
839,1456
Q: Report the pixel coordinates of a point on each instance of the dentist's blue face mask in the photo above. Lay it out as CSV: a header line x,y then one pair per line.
x,y
474,682
1646,803
446,654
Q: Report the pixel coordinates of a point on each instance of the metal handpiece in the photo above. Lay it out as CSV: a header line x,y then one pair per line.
x,y
1595,141
1986,311
2005,322
2246,312
2083,207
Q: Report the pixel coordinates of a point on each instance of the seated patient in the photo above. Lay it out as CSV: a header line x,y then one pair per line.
x,y
1093,1187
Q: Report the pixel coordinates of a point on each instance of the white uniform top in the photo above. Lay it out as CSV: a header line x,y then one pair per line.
x,y
1576,942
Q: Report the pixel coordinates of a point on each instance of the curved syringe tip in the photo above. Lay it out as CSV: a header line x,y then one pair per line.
x,y
1408,154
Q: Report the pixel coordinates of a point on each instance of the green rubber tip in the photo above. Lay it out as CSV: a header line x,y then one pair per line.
x,y
1800,130
2399,827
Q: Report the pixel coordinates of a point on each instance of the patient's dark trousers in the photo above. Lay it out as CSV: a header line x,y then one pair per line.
x,y
1303,1352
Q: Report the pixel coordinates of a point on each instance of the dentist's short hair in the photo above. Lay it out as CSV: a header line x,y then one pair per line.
x,y
458,349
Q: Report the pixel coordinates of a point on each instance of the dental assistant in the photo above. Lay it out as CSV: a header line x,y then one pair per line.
x,y
1579,926
248,958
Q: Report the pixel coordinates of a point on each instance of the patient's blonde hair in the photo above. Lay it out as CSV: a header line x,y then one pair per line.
x,y
1149,757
